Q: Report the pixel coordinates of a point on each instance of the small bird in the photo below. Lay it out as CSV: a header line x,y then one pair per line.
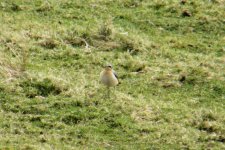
x,y
108,77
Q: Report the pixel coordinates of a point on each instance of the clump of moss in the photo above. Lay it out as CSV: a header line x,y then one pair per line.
x,y
195,76
71,119
45,87
49,43
134,65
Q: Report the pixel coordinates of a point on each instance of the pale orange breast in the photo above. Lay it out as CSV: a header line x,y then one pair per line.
x,y
108,78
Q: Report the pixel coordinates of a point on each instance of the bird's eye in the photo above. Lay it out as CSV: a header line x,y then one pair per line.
x,y
109,66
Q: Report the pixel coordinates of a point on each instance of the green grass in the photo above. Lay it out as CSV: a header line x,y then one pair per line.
x,y
170,60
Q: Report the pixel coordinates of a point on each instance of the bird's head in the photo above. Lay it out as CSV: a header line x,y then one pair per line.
x,y
108,67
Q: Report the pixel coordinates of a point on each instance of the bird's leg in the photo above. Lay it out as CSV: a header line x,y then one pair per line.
x,y
108,92
114,90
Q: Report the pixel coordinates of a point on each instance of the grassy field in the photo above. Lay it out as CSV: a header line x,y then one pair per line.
x,y
169,55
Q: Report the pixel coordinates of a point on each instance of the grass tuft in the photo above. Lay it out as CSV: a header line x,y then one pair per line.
x,y
33,88
169,56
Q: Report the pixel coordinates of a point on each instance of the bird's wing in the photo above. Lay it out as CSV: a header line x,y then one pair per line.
x,y
115,74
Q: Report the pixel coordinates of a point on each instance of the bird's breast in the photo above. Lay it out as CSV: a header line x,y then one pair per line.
x,y
108,78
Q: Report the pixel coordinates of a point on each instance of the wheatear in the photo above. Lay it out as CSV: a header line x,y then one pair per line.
x,y
108,77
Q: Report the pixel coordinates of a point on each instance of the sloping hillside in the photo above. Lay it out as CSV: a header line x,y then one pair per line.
x,y
169,55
